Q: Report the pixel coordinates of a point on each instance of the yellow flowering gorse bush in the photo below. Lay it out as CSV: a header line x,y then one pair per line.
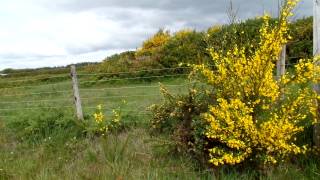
x,y
253,118
237,112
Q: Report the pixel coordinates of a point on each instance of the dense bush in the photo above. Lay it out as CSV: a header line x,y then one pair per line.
x,y
184,47
301,44
179,115
243,115
125,65
245,33
152,47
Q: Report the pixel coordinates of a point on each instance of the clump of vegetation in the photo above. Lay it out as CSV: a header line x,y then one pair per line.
x,y
102,125
61,125
242,114
153,45
184,47
301,44
36,126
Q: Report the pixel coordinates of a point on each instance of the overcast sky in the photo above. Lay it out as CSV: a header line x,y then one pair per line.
x,y
38,33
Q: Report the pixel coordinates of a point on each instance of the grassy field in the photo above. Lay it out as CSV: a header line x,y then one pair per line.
x,y
56,149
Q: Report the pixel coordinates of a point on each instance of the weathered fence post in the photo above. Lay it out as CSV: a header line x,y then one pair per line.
x,y
316,53
281,67
77,100
281,63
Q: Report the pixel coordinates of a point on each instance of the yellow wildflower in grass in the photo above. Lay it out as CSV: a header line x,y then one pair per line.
x,y
99,116
116,117
102,125
251,120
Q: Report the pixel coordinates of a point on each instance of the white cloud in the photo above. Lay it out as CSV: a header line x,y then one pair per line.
x,y
36,33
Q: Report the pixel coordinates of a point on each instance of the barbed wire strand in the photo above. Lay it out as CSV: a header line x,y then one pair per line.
x,y
36,101
119,79
40,85
39,93
32,108
133,114
32,72
111,79
102,89
59,107
147,70
113,104
135,87
84,98
95,74
35,79
58,100
125,96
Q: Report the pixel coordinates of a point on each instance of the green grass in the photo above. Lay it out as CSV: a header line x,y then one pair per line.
x,y
56,148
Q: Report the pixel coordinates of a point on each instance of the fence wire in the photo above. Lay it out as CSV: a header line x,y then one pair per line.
x,y
35,79
38,93
132,72
33,86
44,103
36,101
134,87
133,78
11,87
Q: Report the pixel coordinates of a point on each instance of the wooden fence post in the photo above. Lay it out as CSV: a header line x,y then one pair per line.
x,y
77,100
281,63
316,53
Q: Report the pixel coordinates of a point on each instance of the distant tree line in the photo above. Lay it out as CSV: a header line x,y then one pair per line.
x,y
10,72
168,50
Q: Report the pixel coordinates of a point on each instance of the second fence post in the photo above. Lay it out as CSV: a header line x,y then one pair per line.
x,y
281,63
76,93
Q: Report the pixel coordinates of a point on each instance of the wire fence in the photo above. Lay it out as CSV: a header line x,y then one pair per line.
x,y
56,91
18,96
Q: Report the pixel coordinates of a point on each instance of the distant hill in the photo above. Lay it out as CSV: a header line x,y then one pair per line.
x,y
44,70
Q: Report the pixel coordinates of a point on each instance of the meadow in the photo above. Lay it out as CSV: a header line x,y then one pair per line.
x,y
40,137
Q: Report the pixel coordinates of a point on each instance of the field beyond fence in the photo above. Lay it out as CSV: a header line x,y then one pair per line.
x,y
44,92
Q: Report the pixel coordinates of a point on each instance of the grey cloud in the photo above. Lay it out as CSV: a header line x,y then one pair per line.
x,y
198,14
202,6
169,5
141,18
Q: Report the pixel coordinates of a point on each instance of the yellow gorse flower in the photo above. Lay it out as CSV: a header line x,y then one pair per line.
x,y
98,116
245,88
103,125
